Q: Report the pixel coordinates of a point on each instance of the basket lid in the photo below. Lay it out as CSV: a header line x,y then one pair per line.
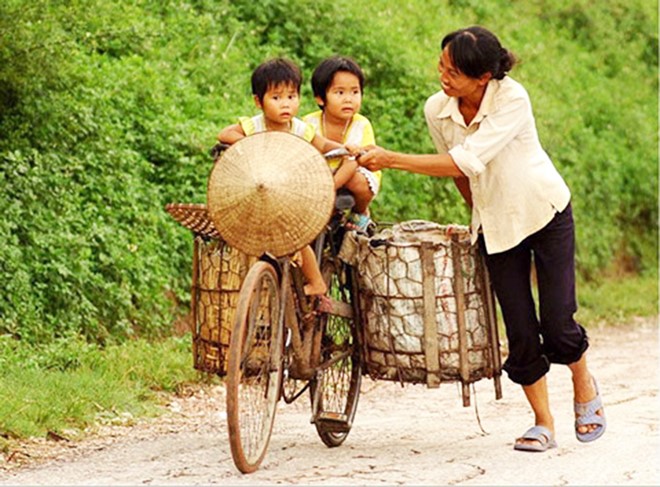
x,y
270,192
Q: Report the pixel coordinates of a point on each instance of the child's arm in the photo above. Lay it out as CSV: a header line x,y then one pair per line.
x,y
344,172
231,134
324,145
347,168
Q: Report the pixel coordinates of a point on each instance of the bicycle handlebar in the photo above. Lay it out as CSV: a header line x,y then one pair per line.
x,y
338,152
342,152
220,147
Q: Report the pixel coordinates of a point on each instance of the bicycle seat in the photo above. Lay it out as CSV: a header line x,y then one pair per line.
x,y
344,200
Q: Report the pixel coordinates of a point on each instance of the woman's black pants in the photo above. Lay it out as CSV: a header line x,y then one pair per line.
x,y
554,336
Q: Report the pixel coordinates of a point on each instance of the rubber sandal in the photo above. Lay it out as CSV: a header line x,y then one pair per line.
x,y
587,414
541,434
360,222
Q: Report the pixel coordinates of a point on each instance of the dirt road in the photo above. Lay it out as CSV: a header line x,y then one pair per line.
x,y
402,436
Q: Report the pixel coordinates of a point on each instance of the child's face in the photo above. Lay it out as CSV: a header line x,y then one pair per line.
x,y
280,105
343,97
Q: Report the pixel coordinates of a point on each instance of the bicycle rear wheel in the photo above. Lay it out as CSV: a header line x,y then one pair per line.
x,y
336,388
254,372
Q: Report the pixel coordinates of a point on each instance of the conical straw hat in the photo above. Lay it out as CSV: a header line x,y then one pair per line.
x,y
270,192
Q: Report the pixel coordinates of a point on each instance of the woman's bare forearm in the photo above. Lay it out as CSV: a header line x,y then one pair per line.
x,y
439,165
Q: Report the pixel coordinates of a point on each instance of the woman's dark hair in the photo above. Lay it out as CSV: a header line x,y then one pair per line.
x,y
326,70
476,51
273,73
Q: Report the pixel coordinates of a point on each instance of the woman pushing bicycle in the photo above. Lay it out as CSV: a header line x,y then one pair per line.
x,y
485,134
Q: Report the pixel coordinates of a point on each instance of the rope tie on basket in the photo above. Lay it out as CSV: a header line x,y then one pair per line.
x,y
476,408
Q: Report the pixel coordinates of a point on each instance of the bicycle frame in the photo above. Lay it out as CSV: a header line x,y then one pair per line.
x,y
305,334
305,337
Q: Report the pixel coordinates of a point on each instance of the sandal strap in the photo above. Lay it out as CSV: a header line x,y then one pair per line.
x,y
590,419
587,414
361,221
589,408
538,433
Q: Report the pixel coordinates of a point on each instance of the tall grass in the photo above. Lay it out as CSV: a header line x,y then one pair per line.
x,y
70,385
616,299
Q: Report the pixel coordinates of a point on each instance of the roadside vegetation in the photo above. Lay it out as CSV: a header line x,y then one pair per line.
x,y
66,386
108,110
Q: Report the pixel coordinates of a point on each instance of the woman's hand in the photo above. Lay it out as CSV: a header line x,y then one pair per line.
x,y
375,158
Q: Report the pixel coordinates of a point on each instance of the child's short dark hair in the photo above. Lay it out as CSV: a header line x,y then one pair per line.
x,y
273,73
325,72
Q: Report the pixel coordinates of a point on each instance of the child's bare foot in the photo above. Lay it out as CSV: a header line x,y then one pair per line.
x,y
315,288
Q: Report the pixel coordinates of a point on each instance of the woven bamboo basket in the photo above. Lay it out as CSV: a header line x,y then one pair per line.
x,y
427,306
218,271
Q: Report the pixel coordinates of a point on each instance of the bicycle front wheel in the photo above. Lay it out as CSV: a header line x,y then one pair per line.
x,y
254,371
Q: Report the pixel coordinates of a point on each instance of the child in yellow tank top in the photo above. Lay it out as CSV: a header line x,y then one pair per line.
x,y
337,83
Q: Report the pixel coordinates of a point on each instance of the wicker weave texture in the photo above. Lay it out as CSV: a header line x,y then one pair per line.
x,y
270,192
194,217
218,273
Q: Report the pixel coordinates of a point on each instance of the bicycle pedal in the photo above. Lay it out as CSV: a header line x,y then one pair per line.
x,y
333,422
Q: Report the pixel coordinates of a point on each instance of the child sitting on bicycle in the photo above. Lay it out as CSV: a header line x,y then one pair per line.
x,y
276,90
337,83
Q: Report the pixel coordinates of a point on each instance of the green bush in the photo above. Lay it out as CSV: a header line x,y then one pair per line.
x,y
108,109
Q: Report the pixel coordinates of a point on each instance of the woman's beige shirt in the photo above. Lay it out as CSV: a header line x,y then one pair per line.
x,y
516,189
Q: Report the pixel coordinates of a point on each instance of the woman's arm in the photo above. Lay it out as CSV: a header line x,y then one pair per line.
x,y
440,165
463,185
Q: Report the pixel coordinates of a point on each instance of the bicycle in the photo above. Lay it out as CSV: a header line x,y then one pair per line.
x,y
282,346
